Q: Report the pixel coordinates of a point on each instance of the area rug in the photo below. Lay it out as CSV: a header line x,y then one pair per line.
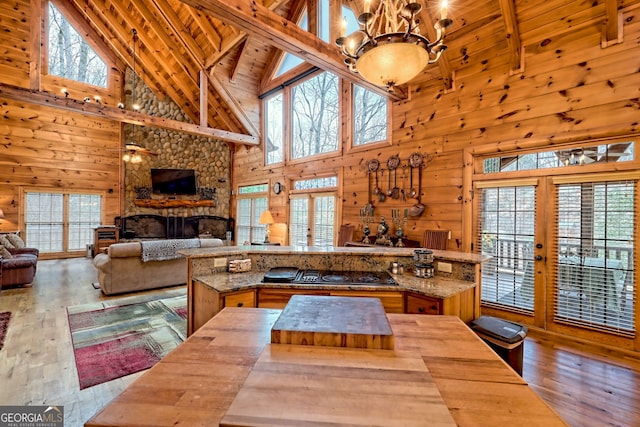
x,y
4,326
119,337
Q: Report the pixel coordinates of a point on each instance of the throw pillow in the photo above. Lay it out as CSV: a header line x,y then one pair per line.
x,y
4,253
16,241
5,242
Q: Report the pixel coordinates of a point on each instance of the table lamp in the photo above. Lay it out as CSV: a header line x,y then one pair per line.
x,y
266,218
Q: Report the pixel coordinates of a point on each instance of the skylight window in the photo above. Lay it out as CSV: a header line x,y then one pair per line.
x,y
70,56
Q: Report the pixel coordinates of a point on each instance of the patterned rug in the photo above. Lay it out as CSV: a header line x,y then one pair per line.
x,y
115,338
4,326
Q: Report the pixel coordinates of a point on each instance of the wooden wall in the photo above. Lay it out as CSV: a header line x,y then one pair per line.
x,y
44,148
570,89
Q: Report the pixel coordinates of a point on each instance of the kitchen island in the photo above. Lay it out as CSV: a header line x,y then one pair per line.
x,y
198,383
454,290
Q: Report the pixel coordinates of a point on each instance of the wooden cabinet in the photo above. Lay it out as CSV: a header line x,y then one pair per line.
x,y
278,298
392,302
423,305
240,299
461,305
204,303
103,237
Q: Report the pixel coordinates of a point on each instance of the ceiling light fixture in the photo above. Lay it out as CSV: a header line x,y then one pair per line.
x,y
388,49
133,150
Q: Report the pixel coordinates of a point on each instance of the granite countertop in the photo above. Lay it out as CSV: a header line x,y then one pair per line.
x,y
436,287
334,250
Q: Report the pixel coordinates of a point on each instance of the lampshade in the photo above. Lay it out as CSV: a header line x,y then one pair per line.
x,y
266,218
381,64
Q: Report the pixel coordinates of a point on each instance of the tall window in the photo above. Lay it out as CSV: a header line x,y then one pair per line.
x,y
69,54
252,201
58,222
369,116
315,116
274,129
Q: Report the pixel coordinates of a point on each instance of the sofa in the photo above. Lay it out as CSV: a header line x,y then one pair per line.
x,y
17,263
126,267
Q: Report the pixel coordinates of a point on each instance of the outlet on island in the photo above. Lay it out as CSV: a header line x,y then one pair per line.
x,y
219,262
445,267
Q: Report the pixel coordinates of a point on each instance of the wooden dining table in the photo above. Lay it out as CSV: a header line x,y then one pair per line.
x,y
229,373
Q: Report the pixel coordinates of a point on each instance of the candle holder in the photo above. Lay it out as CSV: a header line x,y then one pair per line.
x,y
399,221
366,216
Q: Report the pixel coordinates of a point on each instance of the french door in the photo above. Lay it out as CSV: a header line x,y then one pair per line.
x,y
563,252
312,219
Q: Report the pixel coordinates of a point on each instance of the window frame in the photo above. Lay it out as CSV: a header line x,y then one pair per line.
x,y
65,220
251,196
81,27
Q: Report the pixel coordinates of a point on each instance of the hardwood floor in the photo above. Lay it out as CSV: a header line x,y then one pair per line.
x,y
37,365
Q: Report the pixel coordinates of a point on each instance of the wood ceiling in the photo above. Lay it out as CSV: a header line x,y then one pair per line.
x,y
227,44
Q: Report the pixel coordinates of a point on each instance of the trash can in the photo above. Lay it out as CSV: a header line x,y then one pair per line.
x,y
504,337
89,253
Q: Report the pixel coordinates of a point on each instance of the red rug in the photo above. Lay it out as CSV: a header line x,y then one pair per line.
x,y
120,337
4,326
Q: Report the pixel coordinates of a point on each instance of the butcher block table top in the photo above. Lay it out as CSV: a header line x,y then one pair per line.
x,y
204,379
333,322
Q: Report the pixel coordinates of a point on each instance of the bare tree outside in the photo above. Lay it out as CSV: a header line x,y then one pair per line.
x,y
369,116
315,116
69,54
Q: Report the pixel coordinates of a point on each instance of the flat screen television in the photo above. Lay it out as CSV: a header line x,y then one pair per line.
x,y
173,181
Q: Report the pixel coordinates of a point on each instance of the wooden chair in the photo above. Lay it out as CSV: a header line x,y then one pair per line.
x,y
435,239
345,234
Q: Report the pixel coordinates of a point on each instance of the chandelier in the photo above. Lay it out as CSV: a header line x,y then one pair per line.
x,y
388,49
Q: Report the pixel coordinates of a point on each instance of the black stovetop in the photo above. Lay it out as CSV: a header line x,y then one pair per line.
x,y
329,277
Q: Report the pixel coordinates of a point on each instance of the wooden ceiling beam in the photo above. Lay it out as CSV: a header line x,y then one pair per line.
x,y
238,58
443,64
233,104
253,18
508,9
179,30
612,31
124,116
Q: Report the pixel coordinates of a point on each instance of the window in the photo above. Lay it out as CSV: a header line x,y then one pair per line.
x,y
252,201
620,151
507,229
595,253
69,54
274,131
59,222
315,116
369,116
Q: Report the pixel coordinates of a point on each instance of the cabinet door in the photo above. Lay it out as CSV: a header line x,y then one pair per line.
x,y
423,305
393,302
240,299
278,298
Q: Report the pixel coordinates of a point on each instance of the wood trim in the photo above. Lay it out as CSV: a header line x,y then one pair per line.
x,y
507,183
36,29
513,34
92,109
576,179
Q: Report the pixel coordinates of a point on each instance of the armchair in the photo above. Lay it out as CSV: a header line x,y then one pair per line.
x,y
18,265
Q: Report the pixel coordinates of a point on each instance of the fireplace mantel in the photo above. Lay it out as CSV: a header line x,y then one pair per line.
x,y
173,203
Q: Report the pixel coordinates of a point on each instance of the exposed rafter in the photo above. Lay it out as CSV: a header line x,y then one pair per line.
x,y
513,35
91,109
253,18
